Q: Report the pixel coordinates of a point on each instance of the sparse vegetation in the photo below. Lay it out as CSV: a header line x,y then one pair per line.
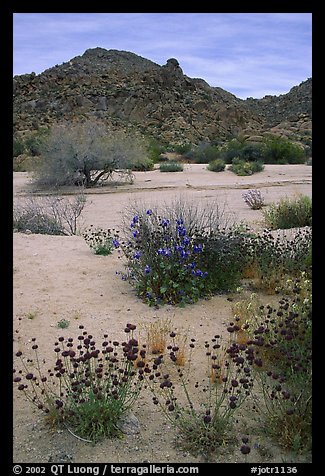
x,y
63,323
278,150
282,335
217,165
171,167
243,167
89,387
204,412
254,199
51,215
289,213
99,240
142,165
262,363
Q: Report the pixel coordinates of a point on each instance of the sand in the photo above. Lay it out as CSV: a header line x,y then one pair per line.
x,y
59,277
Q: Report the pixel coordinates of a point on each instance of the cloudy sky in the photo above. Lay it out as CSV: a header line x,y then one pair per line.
x,y
247,54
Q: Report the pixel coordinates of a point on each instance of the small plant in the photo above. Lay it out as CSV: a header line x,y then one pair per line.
x,y
36,220
157,333
31,315
53,215
89,387
254,199
289,213
171,167
204,413
270,260
217,165
99,240
283,337
142,165
63,323
242,167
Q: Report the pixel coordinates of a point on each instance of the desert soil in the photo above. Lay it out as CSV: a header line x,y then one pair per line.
x,y
59,277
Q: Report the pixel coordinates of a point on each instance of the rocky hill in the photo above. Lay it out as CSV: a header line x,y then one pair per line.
x,y
288,114
129,92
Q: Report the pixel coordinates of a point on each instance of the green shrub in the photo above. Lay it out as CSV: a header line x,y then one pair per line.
x,y
182,148
231,150
33,143
242,167
289,213
252,152
171,167
155,148
18,147
217,165
142,165
282,151
257,166
181,255
203,153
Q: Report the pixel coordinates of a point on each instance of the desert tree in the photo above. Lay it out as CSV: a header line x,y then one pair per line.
x,y
85,154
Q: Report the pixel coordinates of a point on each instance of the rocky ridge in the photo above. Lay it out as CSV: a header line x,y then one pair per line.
x,y
129,92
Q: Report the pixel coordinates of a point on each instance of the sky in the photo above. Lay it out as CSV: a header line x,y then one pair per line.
x,y
247,54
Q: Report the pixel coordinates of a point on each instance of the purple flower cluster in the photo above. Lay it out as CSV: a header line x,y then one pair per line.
x,y
159,253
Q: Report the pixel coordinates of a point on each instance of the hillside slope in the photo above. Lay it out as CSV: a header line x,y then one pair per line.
x,y
129,92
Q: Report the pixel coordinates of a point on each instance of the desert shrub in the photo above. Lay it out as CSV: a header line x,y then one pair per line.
x,y
18,147
171,167
182,148
205,411
203,153
270,260
142,165
247,151
155,149
181,255
257,166
35,220
282,335
278,150
99,240
89,386
231,150
289,213
242,167
217,165
252,152
53,215
34,141
254,199
85,154
24,163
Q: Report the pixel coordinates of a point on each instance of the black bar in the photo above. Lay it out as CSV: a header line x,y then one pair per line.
x,y
140,469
